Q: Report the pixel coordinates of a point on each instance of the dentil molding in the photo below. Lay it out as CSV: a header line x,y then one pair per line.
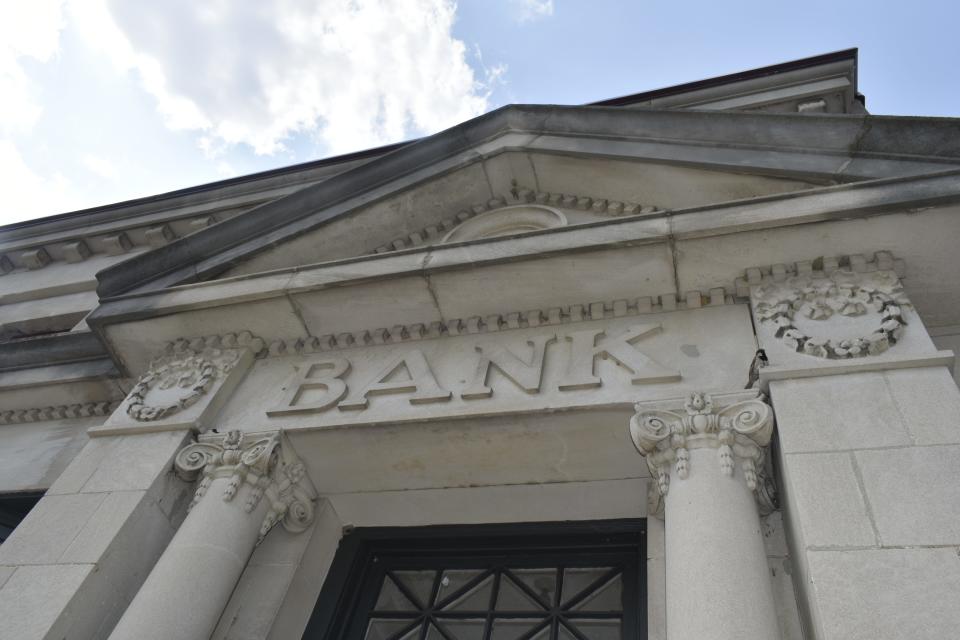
x,y
265,463
435,233
739,433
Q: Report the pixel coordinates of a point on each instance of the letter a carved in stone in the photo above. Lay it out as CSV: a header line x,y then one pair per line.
x,y
420,383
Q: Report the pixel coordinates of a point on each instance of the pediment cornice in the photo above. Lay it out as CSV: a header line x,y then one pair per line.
x,y
817,148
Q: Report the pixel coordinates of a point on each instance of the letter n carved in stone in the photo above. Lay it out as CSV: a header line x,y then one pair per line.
x,y
588,344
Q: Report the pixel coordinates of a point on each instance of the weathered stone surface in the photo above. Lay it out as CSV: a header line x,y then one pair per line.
x,y
32,600
831,509
927,399
833,413
886,593
48,530
135,462
913,494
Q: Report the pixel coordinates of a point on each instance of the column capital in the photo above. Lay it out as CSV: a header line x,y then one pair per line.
x,y
739,426
264,462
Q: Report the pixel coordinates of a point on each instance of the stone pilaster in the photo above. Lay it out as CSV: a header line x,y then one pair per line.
x,y
707,459
860,390
247,486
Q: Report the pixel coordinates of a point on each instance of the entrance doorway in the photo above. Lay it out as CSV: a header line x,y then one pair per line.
x,y
549,581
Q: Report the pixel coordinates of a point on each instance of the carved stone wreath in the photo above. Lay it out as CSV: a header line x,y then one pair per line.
x,y
192,373
844,293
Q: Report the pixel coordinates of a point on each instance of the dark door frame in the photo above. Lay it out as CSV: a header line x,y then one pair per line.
x,y
353,566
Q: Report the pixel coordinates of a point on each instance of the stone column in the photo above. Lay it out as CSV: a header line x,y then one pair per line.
x,y
248,485
707,465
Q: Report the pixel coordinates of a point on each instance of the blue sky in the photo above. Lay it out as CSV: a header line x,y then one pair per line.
x,y
105,100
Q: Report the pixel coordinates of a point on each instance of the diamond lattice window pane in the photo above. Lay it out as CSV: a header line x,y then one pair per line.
x,y
392,599
475,599
512,598
607,597
513,629
575,580
420,583
607,629
542,582
386,629
453,580
465,629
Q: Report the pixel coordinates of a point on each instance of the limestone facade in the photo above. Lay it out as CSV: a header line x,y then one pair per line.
x,y
723,310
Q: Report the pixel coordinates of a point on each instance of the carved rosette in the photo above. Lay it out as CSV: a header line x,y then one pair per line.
x,y
843,293
271,470
180,380
739,433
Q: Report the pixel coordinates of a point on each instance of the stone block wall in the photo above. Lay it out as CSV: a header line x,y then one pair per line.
x,y
869,465
73,564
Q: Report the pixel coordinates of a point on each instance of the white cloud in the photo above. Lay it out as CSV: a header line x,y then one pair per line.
x,y
28,30
529,10
99,165
27,194
351,73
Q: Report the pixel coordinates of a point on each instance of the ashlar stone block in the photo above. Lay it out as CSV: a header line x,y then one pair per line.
x,y
135,462
49,529
826,495
929,401
5,573
886,593
914,494
844,412
32,600
102,527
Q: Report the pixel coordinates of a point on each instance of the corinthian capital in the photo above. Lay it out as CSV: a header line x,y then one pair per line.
x,y
266,464
739,432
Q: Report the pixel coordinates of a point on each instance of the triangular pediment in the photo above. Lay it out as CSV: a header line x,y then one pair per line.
x,y
581,165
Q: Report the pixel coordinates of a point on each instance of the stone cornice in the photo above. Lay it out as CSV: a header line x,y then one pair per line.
x,y
758,213
812,146
492,323
266,464
44,351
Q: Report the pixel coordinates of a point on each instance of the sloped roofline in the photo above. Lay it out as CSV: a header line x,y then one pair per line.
x,y
217,248
208,188
740,76
85,216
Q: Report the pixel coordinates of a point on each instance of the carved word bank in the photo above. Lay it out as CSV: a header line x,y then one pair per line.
x,y
326,382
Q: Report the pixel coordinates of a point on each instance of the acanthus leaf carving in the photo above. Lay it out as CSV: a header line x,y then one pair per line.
x,y
266,464
189,374
819,298
739,432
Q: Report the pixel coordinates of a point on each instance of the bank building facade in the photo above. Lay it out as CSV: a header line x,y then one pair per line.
x,y
673,366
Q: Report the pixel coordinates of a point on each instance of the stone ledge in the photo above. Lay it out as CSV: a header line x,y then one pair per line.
x,y
840,367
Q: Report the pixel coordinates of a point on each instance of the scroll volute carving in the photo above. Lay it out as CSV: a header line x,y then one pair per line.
x,y
265,463
739,432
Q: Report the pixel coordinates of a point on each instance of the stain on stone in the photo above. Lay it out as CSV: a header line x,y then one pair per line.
x,y
690,350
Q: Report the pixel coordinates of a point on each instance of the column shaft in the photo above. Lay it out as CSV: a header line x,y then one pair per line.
x,y
192,582
247,487
706,458
718,583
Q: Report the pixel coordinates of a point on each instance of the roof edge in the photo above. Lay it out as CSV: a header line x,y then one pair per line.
x,y
739,76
